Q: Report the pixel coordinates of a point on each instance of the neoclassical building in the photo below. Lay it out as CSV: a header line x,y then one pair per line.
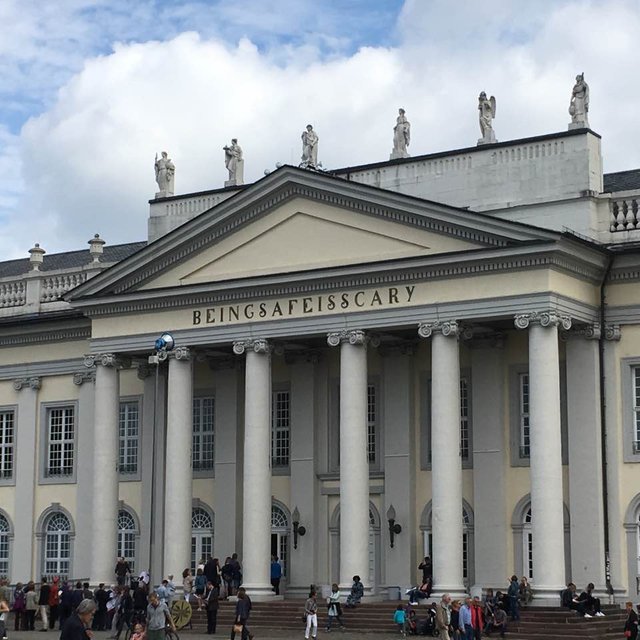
x,y
449,343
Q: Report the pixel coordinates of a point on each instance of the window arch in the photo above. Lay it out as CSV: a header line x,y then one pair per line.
x,y
279,518
57,545
201,535
5,533
127,531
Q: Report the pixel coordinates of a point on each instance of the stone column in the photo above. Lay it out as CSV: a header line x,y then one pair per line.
x,y
354,465
489,472
446,465
179,482
25,474
585,458
547,527
256,486
105,467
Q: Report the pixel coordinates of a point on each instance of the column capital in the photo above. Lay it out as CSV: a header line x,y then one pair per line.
x,y
543,318
106,360
612,332
448,328
352,336
80,377
584,332
34,382
181,353
258,345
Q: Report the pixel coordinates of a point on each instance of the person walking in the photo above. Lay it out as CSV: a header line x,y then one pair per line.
x,y
101,597
465,624
443,616
19,604
187,584
334,608
31,605
43,603
54,602
631,623
158,617
311,612
243,610
78,625
211,598
4,612
276,574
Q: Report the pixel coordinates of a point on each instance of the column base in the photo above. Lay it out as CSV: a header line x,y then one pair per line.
x,y
456,593
546,596
261,593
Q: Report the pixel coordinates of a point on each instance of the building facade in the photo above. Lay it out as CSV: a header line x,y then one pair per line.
x,y
451,342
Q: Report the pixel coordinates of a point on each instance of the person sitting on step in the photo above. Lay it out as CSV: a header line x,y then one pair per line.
x,y
569,599
591,603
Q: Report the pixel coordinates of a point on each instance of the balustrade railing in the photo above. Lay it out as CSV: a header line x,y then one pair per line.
x,y
56,285
13,294
625,215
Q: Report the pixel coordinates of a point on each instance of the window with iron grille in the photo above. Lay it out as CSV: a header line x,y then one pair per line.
x,y
280,428
61,441
525,434
201,536
127,538
636,409
203,448
57,546
7,431
4,547
372,422
129,437
464,419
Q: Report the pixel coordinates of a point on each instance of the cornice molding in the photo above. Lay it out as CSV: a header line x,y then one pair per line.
x,y
374,276
44,336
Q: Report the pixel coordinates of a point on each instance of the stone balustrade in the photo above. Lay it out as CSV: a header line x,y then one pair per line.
x,y
13,293
625,213
54,286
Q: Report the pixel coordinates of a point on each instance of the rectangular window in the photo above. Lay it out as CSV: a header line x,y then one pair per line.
x,y
129,438
127,547
636,409
202,456
7,431
280,429
61,441
371,423
525,442
464,419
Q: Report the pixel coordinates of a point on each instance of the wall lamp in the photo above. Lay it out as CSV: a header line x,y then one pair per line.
x,y
298,529
394,528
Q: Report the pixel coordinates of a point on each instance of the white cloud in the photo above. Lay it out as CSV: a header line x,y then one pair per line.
x,y
88,160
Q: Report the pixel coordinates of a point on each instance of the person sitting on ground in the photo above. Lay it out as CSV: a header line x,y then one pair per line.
x,y
400,617
357,591
591,604
419,593
498,622
526,593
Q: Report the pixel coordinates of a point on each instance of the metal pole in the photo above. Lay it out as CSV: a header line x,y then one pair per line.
x,y
153,473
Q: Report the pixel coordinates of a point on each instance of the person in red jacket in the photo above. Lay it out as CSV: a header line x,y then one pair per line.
x,y
477,618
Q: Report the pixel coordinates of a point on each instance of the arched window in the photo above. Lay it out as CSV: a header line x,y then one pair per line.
x,y
280,536
127,538
57,545
527,545
4,547
201,536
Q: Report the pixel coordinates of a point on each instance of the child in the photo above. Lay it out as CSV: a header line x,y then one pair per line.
x,y
399,618
139,632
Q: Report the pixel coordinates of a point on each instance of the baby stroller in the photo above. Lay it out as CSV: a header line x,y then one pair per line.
x,y
427,626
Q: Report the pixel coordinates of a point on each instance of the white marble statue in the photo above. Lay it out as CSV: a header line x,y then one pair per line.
x,y
234,162
401,137
487,109
309,148
579,104
165,174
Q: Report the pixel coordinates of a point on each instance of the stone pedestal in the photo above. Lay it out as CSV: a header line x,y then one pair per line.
x,y
394,155
580,124
163,194
489,138
239,179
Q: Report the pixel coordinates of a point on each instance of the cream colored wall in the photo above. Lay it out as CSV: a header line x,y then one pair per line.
x,y
302,234
44,352
623,294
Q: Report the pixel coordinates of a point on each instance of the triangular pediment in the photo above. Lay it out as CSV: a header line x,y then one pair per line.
x,y
301,235
297,221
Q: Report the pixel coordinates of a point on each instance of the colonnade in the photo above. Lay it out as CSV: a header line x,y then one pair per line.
x,y
446,471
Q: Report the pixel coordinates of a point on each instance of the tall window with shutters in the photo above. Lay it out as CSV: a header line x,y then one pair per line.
x,y
57,546
129,437
280,428
203,445
60,441
7,436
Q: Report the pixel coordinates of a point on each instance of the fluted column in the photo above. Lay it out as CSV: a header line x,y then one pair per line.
x,y
354,464
256,487
178,488
547,525
446,465
105,467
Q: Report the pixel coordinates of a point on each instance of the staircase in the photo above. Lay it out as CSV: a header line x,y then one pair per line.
x,y
539,623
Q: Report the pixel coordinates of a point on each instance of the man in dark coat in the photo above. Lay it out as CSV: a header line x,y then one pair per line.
x,y
78,625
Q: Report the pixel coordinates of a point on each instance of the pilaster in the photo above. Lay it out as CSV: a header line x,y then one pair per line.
x,y
25,475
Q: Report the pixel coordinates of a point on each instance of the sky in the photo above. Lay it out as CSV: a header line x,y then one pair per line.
x,y
91,90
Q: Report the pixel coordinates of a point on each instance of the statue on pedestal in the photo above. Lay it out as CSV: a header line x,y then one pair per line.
x,y
165,174
487,109
579,104
234,162
309,148
401,137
